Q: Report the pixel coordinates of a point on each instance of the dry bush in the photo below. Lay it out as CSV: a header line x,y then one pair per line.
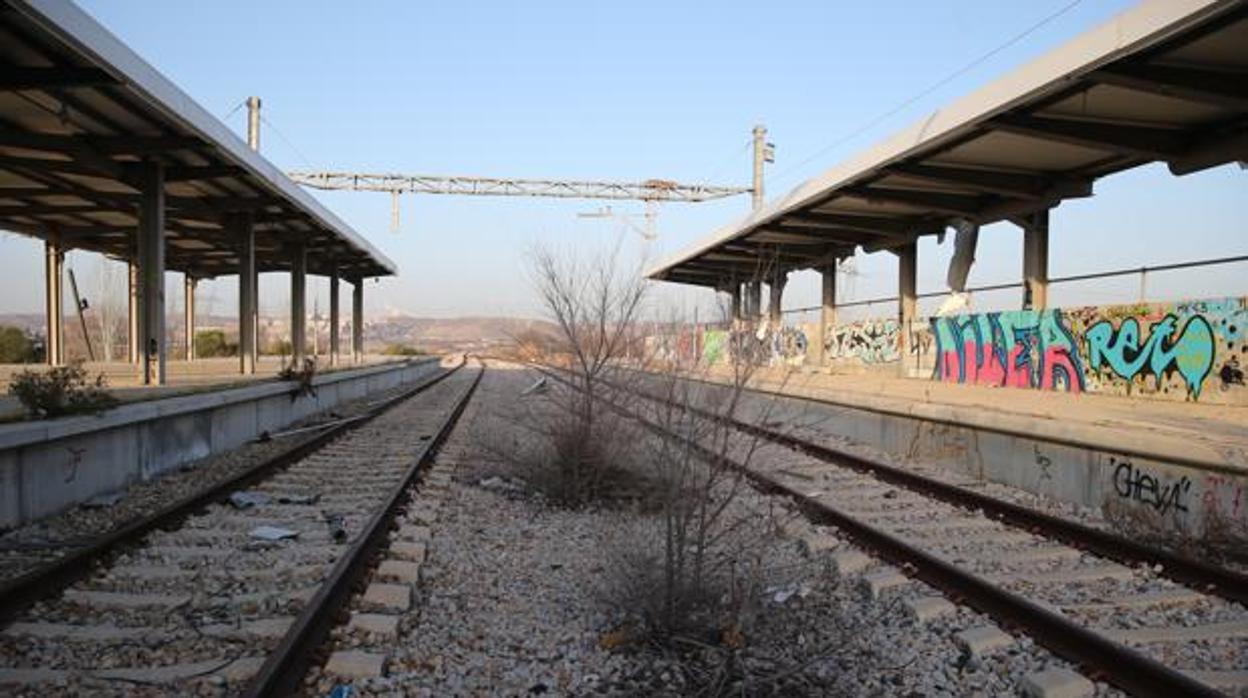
x,y
61,390
577,450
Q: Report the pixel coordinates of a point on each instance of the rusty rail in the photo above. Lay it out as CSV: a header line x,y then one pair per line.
x,y
19,592
1099,656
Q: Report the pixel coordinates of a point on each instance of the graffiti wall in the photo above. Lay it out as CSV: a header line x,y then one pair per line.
x,y
1181,351
868,342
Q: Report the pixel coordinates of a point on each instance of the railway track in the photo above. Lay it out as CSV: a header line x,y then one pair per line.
x,y
1106,604
231,590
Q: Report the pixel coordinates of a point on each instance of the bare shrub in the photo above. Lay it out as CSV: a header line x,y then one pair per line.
x,y
577,449
303,377
61,390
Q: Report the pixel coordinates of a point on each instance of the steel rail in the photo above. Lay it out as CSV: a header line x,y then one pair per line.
x,y
286,666
20,592
1202,576
1100,657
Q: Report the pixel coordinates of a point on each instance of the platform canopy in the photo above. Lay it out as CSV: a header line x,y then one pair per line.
x,y
79,111
1164,81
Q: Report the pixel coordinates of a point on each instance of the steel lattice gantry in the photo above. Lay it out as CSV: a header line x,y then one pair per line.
x,y
101,152
649,190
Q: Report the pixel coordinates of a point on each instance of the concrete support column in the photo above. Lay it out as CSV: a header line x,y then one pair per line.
x,y
357,321
333,318
774,298
248,318
827,312
753,301
151,249
907,295
132,312
298,304
1036,261
188,311
54,298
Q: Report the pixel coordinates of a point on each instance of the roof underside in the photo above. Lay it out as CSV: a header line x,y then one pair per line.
x,y
79,111
1166,81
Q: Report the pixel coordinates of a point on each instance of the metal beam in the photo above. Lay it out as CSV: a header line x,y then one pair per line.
x,y
1143,141
109,145
936,202
1215,87
1011,184
895,226
15,77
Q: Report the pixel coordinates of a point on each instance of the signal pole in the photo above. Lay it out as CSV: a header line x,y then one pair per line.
x,y
253,123
764,152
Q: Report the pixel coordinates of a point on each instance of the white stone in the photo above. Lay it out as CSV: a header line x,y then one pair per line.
x,y
1057,683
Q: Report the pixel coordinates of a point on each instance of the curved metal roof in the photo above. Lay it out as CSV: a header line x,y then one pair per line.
x,y
79,110
1164,81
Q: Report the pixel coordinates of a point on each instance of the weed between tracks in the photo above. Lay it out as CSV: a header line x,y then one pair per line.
x,y
699,579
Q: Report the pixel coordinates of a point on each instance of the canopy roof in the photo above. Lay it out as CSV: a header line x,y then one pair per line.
x,y
1164,81
78,112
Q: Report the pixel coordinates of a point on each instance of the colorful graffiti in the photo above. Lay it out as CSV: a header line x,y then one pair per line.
x,y
1166,350
869,341
1022,349
788,345
1190,351
714,346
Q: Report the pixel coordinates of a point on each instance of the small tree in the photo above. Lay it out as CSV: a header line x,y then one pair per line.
x,y
595,305
212,343
15,346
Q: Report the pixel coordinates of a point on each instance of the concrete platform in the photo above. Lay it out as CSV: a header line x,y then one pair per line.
x,y
184,377
1170,467
47,466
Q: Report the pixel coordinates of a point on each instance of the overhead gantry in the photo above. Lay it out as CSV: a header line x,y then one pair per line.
x,y
100,152
1162,82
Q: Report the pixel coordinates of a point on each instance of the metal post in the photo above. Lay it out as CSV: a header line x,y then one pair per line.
x,y
827,312
253,123
247,316
152,273
1036,261
80,307
132,310
736,302
298,304
54,290
333,317
760,156
357,321
907,294
774,298
188,314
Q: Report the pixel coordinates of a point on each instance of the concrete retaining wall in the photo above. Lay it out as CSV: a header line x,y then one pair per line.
x,y
51,465
1146,485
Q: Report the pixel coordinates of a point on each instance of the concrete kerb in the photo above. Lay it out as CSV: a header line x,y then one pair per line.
x,y
48,466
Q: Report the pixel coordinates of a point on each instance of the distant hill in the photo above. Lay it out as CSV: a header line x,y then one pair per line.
x,y
431,334
453,333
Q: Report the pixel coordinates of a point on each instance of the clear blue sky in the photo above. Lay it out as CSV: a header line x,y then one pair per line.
x,y
622,91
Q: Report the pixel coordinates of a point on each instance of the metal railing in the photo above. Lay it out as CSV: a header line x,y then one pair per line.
x,y
1142,271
